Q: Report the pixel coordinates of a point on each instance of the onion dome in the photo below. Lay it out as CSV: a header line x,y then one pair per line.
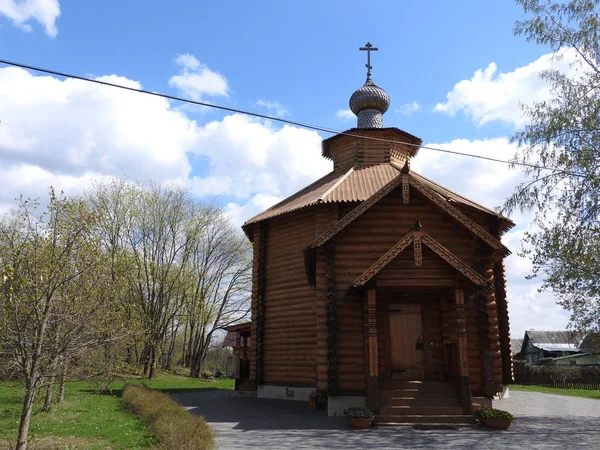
x,y
369,103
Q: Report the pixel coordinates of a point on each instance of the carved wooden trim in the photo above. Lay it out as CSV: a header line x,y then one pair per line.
x,y
461,343
418,248
451,259
331,307
459,216
503,323
260,304
356,212
370,323
384,260
405,189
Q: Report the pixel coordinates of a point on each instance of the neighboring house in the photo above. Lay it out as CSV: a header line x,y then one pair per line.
x,y
549,344
238,364
589,353
516,345
375,278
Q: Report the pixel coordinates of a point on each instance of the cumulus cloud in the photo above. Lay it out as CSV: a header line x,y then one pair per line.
x,y
345,114
65,133
273,107
197,81
492,95
249,157
21,12
408,109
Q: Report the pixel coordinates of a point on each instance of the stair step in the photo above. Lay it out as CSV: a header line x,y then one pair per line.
x,y
421,410
382,419
419,401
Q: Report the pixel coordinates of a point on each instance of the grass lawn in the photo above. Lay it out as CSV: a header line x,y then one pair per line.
x,y
89,420
546,390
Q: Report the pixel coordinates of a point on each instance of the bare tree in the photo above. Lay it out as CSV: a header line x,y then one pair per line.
x,y
221,272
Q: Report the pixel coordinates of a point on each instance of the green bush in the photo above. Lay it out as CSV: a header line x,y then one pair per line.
x,y
356,412
491,413
174,428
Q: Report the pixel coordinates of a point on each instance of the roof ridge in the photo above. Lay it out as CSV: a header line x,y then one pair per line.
x,y
337,183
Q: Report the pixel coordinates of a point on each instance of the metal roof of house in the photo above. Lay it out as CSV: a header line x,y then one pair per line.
x,y
357,184
516,345
554,341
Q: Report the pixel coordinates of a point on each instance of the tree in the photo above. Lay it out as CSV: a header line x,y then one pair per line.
x,y
564,134
55,302
220,271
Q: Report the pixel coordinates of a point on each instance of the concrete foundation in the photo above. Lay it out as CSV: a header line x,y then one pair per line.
x,y
298,393
337,404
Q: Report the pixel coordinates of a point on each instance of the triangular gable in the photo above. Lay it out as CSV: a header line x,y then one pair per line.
x,y
356,212
455,213
460,217
418,237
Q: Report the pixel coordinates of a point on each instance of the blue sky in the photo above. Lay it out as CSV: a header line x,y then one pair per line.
x,y
454,71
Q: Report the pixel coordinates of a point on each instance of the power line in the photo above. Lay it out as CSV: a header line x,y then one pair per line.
x,y
278,119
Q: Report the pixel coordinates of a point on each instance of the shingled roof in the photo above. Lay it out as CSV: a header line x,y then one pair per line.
x,y
357,184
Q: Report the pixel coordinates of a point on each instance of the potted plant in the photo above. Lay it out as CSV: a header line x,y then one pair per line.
x,y
359,418
494,418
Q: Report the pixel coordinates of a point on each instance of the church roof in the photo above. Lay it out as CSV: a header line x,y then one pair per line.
x,y
357,184
354,132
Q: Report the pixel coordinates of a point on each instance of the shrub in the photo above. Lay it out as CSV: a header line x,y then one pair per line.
x,y
359,413
491,413
174,428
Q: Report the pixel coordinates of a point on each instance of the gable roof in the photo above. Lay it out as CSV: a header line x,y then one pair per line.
x,y
516,345
553,340
433,245
366,183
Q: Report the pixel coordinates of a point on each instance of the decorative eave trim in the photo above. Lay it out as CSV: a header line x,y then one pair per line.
x,y
500,250
417,234
453,260
384,260
356,212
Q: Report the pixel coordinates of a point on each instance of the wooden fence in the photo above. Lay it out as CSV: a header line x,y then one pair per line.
x,y
565,377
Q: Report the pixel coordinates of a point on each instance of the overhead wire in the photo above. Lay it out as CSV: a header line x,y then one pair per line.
x,y
279,119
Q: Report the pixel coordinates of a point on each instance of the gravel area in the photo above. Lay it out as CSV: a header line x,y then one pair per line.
x,y
542,421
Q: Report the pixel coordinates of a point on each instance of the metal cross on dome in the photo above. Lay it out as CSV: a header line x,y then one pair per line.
x,y
368,48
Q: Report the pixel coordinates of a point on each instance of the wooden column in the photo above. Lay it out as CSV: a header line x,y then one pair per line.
x,y
236,356
260,303
461,343
370,310
331,308
503,323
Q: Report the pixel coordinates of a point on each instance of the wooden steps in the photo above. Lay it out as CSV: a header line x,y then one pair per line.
x,y
419,402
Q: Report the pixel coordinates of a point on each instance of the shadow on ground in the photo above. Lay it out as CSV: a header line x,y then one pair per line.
x,y
246,423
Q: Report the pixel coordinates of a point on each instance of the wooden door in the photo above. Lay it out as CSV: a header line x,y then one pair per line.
x,y
406,341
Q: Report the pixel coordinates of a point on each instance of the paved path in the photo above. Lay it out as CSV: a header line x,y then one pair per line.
x,y
542,421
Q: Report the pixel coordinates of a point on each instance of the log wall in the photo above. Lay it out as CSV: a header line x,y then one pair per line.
x,y
370,236
289,320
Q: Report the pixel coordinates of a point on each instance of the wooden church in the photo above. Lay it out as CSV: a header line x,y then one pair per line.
x,y
376,286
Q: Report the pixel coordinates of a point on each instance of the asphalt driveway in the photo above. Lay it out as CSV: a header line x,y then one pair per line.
x,y
542,421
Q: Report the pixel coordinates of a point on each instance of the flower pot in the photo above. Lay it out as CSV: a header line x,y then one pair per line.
x,y
497,424
360,424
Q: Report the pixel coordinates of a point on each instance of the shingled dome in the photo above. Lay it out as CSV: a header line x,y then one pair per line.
x,y
369,103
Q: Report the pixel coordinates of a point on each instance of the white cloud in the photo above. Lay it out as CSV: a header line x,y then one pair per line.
x,y
71,130
491,95
22,11
274,107
409,109
258,203
250,157
345,114
196,80
65,133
